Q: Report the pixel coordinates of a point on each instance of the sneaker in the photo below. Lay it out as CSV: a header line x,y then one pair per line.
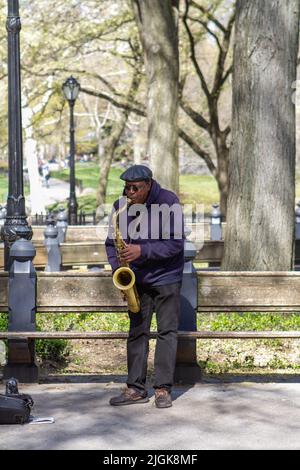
x,y
129,396
162,398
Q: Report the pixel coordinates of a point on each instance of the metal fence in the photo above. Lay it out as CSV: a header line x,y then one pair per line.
x,y
83,218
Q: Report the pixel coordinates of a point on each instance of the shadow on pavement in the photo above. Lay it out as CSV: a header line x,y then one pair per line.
x,y
206,379
179,389
84,378
255,378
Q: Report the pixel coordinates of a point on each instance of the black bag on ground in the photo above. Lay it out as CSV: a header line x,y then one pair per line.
x,y
15,407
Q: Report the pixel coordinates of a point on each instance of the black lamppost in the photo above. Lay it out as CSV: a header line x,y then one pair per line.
x,y
71,90
16,225
21,352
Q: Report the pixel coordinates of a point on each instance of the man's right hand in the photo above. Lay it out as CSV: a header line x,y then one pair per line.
x,y
130,253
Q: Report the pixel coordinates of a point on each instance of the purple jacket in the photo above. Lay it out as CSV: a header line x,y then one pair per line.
x,y
161,237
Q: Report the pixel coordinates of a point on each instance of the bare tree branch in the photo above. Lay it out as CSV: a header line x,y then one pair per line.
x,y
197,149
209,15
196,117
193,53
205,26
117,104
219,76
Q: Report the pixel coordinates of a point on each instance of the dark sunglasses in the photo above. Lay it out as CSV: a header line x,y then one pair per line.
x,y
133,187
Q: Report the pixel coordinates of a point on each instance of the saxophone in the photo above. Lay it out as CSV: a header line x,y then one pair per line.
x,y
124,277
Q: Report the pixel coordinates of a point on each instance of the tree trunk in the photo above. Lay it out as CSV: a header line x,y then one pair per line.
x,y
37,205
139,142
157,23
110,146
260,214
105,163
222,178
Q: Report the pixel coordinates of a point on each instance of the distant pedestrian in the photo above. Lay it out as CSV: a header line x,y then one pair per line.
x,y
45,173
40,167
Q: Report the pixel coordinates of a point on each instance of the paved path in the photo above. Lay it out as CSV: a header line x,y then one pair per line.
x,y
246,415
57,191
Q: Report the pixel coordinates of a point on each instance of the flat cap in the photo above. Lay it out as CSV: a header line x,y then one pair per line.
x,y
136,173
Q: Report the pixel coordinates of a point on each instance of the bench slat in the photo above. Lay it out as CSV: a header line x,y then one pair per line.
x,y
248,291
78,291
77,233
217,292
153,335
94,253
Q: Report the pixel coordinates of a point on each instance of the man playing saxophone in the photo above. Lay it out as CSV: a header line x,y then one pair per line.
x,y
153,248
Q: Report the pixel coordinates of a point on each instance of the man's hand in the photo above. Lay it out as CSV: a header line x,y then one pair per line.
x,y
130,253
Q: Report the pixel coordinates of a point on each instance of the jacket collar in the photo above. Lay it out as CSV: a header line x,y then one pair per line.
x,y
153,194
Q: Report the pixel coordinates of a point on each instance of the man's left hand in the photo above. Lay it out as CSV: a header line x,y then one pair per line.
x,y
130,253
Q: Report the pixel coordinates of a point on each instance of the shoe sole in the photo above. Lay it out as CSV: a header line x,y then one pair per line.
x,y
131,402
163,406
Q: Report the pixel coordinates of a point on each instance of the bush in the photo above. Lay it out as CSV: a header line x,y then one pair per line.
x,y
53,349
3,321
47,349
3,166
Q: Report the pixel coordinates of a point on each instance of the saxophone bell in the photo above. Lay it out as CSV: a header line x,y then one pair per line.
x,y
124,279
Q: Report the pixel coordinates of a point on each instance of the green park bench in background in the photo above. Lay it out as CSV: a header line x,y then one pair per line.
x,y
84,246
93,253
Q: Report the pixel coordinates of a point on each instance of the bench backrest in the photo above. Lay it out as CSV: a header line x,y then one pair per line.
x,y
93,253
224,291
82,233
217,292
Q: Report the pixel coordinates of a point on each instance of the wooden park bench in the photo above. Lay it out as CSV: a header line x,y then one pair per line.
x,y
92,253
216,292
84,246
98,233
75,233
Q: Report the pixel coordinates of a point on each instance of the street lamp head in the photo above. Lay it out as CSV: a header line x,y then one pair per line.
x,y
71,89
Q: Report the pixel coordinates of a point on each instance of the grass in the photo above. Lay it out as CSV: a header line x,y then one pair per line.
x,y
3,187
214,356
88,174
249,356
193,189
249,321
198,189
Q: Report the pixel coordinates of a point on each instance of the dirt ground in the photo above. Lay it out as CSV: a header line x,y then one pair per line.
x,y
103,357
107,357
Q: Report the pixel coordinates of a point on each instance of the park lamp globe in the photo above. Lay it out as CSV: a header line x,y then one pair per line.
x,y
71,89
